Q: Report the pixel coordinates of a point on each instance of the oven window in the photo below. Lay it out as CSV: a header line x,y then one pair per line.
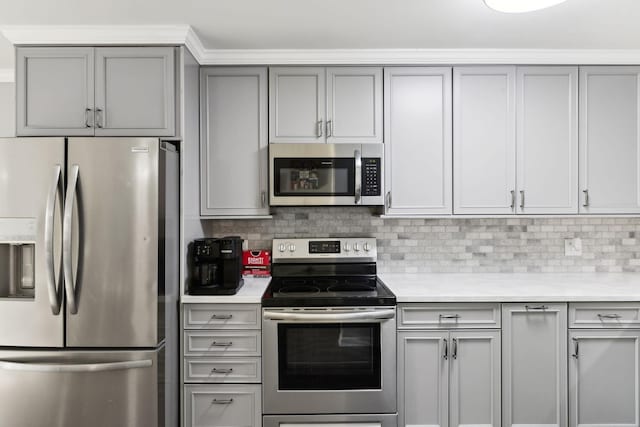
x,y
314,177
342,356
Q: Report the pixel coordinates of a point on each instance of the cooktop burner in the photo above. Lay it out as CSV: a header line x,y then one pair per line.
x,y
298,289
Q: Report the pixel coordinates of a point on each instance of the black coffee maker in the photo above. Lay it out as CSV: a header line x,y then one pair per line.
x,y
216,266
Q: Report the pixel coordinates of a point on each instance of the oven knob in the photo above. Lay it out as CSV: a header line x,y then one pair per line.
x,y
282,247
356,247
292,247
347,248
367,247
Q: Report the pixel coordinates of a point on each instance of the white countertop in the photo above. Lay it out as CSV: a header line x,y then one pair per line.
x,y
520,287
250,293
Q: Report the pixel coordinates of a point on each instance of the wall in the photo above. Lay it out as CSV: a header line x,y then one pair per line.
x,y
457,245
7,110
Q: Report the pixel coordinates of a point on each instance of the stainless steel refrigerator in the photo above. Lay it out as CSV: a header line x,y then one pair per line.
x,y
88,282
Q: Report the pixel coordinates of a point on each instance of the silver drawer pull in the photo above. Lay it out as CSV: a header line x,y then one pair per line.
x,y
536,307
609,316
221,401
221,371
221,316
222,343
449,316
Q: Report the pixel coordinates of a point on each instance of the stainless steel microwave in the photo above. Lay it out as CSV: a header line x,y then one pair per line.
x,y
326,174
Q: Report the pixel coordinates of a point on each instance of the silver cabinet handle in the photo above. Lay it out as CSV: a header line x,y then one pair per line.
x,y
49,215
449,316
513,199
67,227
86,117
358,173
586,198
90,367
454,354
221,371
389,199
536,307
521,199
263,199
445,349
609,316
221,401
329,128
222,344
221,316
319,128
99,117
576,348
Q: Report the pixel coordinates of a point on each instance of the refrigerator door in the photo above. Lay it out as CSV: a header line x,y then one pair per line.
x,y
31,179
111,229
80,389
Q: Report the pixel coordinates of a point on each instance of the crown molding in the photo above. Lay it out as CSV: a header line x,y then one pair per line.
x,y
7,75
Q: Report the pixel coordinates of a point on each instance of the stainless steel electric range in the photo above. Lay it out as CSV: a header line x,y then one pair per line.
x,y
329,336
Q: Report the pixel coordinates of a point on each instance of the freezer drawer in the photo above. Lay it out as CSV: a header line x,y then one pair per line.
x,y
80,389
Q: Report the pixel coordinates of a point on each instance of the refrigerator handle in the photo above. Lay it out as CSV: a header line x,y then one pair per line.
x,y
52,286
67,226
90,367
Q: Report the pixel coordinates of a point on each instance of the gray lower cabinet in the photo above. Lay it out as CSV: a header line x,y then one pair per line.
x,y
86,91
604,371
449,378
534,365
234,144
223,405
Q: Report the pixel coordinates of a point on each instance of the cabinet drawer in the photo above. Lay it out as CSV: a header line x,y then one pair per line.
x,y
448,316
222,405
221,316
604,315
222,343
222,370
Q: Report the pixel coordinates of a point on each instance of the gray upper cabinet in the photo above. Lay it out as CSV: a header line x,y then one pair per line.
x,y
316,104
609,140
418,140
534,365
54,91
604,378
233,147
547,140
134,90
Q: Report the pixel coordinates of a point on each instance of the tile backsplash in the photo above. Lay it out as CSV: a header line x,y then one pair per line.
x,y
457,245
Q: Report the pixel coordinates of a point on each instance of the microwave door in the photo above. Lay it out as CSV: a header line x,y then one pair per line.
x,y
30,240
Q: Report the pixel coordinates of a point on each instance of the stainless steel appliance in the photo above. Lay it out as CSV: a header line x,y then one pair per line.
x,y
326,174
329,335
216,266
88,282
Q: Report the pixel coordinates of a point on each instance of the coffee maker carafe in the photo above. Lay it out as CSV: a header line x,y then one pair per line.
x,y
216,266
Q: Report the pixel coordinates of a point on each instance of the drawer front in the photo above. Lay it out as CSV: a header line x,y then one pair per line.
x,y
222,405
221,316
604,315
222,343
449,316
222,370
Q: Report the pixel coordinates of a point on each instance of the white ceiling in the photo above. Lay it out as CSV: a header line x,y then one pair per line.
x,y
327,24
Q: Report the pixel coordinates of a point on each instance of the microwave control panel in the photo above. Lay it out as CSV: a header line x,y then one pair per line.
x,y
371,176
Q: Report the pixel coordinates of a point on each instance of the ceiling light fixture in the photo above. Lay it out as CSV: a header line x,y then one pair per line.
x,y
518,6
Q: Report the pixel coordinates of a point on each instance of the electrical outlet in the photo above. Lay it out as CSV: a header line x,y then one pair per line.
x,y
573,247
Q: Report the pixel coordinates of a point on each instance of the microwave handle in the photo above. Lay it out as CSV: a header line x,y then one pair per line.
x,y
358,173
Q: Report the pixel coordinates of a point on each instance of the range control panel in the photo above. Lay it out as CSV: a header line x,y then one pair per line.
x,y
356,249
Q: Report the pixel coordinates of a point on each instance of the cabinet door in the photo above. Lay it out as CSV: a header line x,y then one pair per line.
x,y
354,104
604,378
547,140
534,365
418,145
609,140
475,379
135,91
54,91
423,378
297,104
233,147
484,143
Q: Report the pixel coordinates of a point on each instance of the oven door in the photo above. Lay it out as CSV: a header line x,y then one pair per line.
x,y
329,360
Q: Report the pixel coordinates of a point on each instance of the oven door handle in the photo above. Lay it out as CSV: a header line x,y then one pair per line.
x,y
330,317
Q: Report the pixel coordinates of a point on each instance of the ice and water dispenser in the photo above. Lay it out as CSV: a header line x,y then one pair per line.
x,y
17,258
